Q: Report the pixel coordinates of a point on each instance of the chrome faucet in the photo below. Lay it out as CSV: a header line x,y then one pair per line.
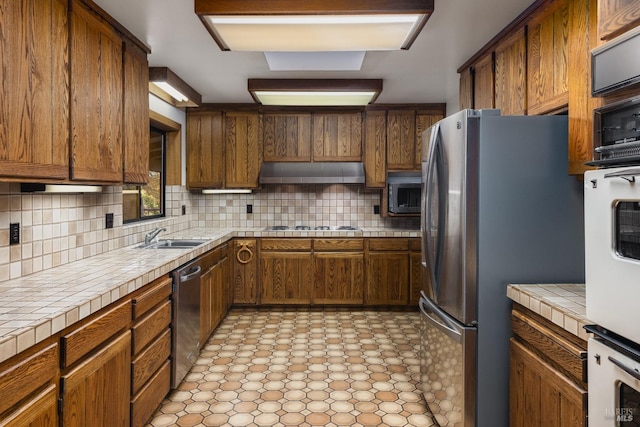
x,y
148,238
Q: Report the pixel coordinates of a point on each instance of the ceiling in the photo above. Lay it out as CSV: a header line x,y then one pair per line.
x,y
425,73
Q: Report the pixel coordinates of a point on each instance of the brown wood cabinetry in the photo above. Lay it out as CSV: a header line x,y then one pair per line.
x,y
484,82
39,411
424,120
34,105
286,271
466,89
214,292
286,137
245,271
337,137
415,271
96,97
387,272
205,149
401,139
616,17
375,149
338,271
510,73
136,115
243,151
547,373
547,59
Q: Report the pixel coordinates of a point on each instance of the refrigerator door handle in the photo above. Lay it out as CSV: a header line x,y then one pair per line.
x,y
439,318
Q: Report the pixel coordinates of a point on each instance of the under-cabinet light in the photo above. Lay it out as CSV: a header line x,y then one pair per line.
x,y
173,87
227,191
59,188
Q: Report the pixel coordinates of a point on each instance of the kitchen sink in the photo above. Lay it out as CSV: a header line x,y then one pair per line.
x,y
173,244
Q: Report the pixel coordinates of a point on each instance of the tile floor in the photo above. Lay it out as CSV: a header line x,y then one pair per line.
x,y
304,368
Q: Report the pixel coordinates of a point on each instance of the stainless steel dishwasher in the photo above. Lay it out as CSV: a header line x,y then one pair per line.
x,y
186,320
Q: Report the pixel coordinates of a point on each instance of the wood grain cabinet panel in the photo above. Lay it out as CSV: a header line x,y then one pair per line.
x,y
205,149
338,278
243,149
375,149
34,137
415,277
149,327
156,292
547,59
401,139
286,277
136,115
484,82
466,89
150,360
616,17
39,411
337,137
149,398
511,75
245,271
96,98
93,393
424,120
286,137
387,278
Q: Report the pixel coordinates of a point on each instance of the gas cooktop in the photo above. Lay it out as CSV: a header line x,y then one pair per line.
x,y
312,228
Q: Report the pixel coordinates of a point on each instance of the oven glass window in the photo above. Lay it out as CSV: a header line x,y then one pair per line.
x,y
628,229
629,411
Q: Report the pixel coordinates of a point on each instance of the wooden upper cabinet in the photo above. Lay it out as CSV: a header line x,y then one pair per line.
x,y
547,59
34,138
616,17
136,115
424,120
337,137
511,75
484,82
375,143
287,137
243,149
401,139
96,98
205,149
466,89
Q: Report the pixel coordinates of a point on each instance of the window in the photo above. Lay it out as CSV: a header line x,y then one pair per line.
x,y
140,202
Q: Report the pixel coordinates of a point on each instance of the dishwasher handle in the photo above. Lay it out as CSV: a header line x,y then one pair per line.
x,y
190,274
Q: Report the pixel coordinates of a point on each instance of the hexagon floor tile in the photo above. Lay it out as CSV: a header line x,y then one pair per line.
x,y
304,368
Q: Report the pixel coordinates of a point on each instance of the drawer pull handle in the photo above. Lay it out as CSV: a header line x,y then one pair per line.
x,y
249,255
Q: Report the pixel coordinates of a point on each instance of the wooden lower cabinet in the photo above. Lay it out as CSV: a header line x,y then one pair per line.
x,y
39,411
93,393
547,380
415,275
387,279
286,277
338,278
144,404
214,290
245,271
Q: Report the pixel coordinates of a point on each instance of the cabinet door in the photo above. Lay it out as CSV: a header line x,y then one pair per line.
x,y
96,98
415,278
95,393
207,303
286,277
484,83
540,395
547,56
387,278
136,115
616,17
424,120
245,272
286,137
338,278
337,137
511,75
466,89
375,148
401,139
39,411
243,154
34,137
205,150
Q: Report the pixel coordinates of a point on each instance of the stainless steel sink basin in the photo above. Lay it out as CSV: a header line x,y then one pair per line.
x,y
173,244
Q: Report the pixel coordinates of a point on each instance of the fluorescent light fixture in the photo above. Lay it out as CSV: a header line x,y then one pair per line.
x,y
227,191
315,92
165,84
314,25
59,188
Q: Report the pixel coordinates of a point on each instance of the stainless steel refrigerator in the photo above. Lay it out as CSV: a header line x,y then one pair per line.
x,y
498,207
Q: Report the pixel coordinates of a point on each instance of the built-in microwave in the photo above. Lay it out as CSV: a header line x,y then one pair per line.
x,y
403,190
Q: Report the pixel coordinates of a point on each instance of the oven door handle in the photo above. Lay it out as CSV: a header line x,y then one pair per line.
x,y
631,371
628,174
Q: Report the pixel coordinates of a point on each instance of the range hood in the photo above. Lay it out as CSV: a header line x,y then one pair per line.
x,y
312,173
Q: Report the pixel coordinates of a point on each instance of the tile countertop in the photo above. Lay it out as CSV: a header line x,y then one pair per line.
x,y
562,304
37,306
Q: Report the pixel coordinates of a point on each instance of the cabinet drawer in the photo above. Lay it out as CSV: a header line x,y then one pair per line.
x,y
338,244
25,376
285,244
89,336
568,356
150,360
414,245
150,327
157,291
388,244
149,398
